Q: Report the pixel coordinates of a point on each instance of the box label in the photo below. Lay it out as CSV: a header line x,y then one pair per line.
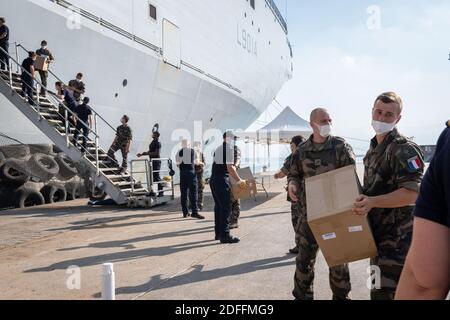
x,y
329,236
355,229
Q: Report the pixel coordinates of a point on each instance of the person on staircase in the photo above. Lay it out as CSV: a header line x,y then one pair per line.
x,y
122,142
43,52
27,77
83,120
4,44
78,87
66,95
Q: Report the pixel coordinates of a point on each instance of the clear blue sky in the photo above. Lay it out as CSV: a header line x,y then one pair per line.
x,y
342,64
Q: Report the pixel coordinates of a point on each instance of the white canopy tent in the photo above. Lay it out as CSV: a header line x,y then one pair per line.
x,y
281,130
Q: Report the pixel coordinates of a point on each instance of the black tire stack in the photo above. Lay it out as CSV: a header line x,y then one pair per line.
x,y
32,175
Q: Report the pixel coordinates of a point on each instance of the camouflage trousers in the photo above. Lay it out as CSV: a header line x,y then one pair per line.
x,y
201,189
235,210
339,276
393,235
295,216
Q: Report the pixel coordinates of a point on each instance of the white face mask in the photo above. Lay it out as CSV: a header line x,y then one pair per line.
x,y
383,127
325,131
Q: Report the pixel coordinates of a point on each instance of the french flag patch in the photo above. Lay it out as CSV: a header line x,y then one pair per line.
x,y
414,164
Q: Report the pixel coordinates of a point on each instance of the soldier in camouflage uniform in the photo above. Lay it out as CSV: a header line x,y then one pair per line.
x,y
199,171
393,172
320,154
235,203
122,142
284,172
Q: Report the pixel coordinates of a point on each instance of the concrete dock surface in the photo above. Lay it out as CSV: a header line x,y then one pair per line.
x,y
57,252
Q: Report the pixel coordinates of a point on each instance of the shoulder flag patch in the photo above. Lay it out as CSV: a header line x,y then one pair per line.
x,y
414,164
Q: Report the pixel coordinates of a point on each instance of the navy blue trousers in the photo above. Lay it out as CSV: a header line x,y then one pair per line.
x,y
188,186
221,191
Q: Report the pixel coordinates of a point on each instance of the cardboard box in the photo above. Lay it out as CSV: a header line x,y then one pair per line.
x,y
342,236
250,191
41,63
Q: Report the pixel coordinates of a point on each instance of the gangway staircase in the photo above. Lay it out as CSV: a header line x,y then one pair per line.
x,y
49,114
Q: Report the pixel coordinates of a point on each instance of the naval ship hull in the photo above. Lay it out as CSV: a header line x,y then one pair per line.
x,y
125,77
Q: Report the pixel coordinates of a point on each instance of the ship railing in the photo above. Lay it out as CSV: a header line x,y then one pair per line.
x,y
272,5
64,112
107,24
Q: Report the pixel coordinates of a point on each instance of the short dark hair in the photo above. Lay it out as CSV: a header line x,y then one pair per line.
x,y
156,133
58,84
79,74
297,140
31,54
2,19
127,118
44,43
86,100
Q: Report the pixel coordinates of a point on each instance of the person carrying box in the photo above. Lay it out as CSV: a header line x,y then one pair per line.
x,y
321,153
42,67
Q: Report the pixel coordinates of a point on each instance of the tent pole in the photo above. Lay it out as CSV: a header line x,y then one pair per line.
x,y
254,156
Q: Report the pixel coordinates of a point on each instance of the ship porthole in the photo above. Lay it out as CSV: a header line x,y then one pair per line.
x,y
125,83
116,95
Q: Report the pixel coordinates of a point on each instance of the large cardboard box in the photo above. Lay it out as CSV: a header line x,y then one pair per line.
x,y
41,63
342,236
250,191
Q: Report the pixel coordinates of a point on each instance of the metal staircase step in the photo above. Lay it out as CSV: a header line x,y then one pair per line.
x,y
54,121
49,115
14,80
4,72
123,183
129,191
109,170
114,178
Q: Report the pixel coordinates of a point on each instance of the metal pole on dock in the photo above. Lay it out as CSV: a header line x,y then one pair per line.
x,y
108,282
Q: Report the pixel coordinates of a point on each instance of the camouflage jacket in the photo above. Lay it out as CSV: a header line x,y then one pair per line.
x,y
201,157
394,164
287,165
312,159
124,135
285,170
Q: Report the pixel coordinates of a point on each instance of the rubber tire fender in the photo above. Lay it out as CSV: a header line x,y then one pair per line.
x,y
42,166
16,151
67,169
11,174
25,197
54,193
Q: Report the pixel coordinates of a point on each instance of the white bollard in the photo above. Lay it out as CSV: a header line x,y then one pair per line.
x,y
108,282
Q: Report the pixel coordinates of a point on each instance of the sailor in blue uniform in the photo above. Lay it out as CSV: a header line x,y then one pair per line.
x,y
223,168
426,273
